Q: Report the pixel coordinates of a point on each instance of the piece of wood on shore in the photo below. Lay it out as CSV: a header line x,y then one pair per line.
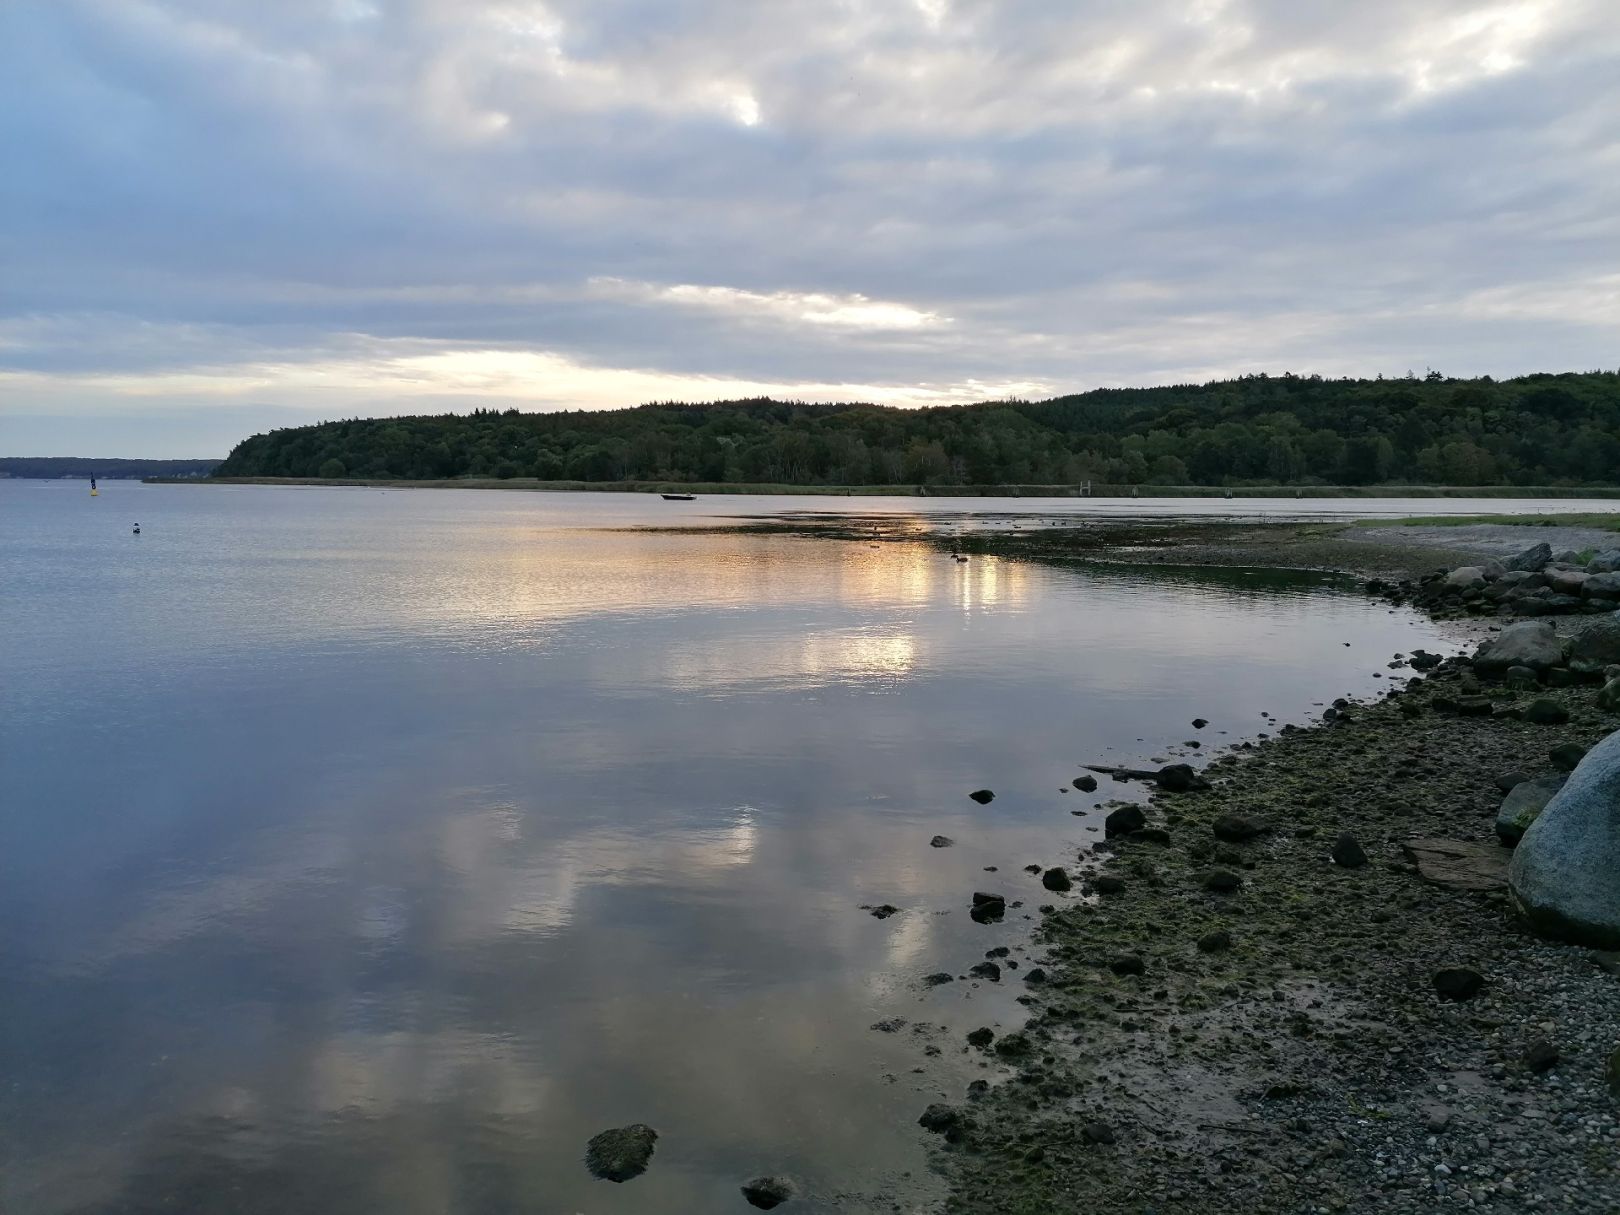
x,y
1460,864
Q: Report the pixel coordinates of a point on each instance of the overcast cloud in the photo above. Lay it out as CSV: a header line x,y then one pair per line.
x,y
218,216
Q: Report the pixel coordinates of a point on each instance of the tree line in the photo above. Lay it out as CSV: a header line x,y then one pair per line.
x,y
47,468
1547,429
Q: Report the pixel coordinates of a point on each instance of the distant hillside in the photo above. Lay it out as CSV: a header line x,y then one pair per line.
x,y
1553,430
50,467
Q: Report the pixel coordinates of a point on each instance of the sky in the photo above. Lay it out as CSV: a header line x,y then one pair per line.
x,y
223,216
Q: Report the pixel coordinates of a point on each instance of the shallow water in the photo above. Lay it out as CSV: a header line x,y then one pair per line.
x,y
372,850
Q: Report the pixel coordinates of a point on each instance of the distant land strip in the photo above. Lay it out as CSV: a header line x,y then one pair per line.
x,y
1505,492
1260,430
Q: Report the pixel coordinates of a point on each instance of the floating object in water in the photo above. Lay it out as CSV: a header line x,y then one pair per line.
x,y
137,529
94,492
678,497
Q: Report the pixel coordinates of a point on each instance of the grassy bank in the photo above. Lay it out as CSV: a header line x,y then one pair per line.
x,y
935,491
1606,522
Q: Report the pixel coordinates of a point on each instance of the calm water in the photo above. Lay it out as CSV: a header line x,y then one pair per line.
x,y
371,850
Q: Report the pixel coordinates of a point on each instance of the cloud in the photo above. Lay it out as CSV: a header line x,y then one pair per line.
x,y
385,203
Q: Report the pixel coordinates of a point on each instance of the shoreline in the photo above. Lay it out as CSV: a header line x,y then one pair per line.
x,y
1147,492
1281,1047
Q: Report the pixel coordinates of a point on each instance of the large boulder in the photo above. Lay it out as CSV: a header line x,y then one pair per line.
x,y
1597,646
1606,562
1567,582
1467,578
1601,586
1565,875
1533,559
1530,643
1523,805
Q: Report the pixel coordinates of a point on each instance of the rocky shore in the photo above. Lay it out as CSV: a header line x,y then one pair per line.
x,y
1304,987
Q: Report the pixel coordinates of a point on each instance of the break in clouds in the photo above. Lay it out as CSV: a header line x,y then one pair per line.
x,y
218,216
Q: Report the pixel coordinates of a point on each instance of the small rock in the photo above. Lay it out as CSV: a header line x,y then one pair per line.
x,y
986,970
1544,712
1217,941
1180,778
981,1037
1124,821
987,907
621,1153
1222,881
1198,723
1237,829
768,1192
1035,975
982,796
884,911
1056,879
1567,756
1086,784
1457,983
1098,1132
891,1025
1127,964
1109,883
938,977
1348,852
1437,1121
1509,781
941,841
939,1119
1541,1056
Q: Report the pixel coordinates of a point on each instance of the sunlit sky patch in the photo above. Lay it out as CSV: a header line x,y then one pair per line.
x,y
218,216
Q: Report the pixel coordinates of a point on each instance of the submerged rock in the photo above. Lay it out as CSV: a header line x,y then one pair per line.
x,y
621,1153
941,841
1523,805
768,1192
1565,875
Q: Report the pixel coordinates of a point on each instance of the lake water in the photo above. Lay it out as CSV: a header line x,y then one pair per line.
x,y
371,850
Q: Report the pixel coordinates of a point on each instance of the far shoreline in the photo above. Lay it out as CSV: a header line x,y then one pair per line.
x,y
714,489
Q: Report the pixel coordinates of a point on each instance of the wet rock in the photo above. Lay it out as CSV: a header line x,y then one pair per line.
x,y
939,1119
1180,778
621,1153
1217,941
1109,883
1597,645
1056,879
1457,983
1036,975
1422,660
1508,781
1013,1045
1198,723
1565,875
1567,756
1348,852
1459,864
1541,1056
1086,784
1532,560
1236,829
1098,1132
982,796
1222,881
986,970
890,1025
1533,644
987,908
1567,582
1544,712
1123,821
941,841
883,911
1127,964
768,1192
1524,805
1153,835
981,1037
938,977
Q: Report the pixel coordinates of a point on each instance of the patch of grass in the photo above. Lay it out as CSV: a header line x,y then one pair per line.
x,y
1605,522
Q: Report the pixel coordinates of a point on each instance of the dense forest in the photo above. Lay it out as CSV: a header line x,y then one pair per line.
x,y
47,468
1551,430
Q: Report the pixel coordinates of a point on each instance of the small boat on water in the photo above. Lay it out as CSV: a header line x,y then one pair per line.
x,y
678,497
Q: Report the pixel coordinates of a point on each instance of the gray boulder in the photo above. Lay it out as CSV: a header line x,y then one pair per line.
x,y
1568,557
1466,578
1523,805
1492,569
1606,562
1565,875
1532,560
1530,643
1597,645
1604,586
1567,582
621,1153
1608,697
